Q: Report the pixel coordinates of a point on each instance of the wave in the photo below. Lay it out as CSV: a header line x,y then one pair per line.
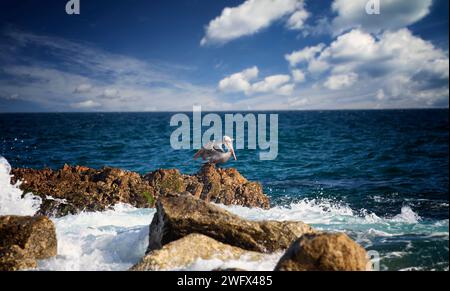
x,y
11,200
336,216
112,240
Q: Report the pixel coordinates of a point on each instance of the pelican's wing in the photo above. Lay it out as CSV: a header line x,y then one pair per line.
x,y
208,150
218,147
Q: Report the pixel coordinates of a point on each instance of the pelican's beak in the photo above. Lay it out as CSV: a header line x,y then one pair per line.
x,y
232,151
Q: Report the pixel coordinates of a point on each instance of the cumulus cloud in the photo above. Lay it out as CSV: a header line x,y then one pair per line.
x,y
394,14
251,17
298,76
395,65
304,55
272,84
242,82
297,20
336,82
239,82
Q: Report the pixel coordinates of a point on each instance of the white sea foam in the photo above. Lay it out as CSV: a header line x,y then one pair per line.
x,y
407,215
110,240
11,201
323,213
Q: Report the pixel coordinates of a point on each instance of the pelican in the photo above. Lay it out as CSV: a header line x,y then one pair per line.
x,y
214,153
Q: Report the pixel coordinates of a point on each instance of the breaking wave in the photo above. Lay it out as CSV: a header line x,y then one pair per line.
x,y
11,200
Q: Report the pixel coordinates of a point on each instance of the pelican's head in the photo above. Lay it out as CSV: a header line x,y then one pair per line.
x,y
228,141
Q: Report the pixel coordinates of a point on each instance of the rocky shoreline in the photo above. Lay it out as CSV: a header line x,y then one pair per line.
x,y
187,226
71,190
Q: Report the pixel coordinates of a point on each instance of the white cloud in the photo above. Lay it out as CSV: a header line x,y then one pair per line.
x,y
110,93
285,90
298,102
297,19
251,17
336,82
242,82
380,95
394,14
88,104
304,55
395,67
83,88
298,76
271,84
239,82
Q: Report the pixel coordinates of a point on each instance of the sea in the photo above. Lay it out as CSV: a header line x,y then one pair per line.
x,y
381,176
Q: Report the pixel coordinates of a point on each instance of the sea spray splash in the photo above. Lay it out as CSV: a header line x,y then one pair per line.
x,y
111,240
11,200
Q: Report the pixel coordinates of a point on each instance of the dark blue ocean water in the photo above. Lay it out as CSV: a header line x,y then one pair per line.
x,y
391,165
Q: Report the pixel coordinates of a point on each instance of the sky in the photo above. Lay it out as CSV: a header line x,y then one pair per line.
x,y
168,55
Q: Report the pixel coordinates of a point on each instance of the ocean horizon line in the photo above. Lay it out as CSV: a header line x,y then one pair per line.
x,y
229,111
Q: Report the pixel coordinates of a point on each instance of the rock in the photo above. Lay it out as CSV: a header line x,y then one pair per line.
x,y
14,258
71,190
229,187
324,252
179,215
217,185
185,251
24,239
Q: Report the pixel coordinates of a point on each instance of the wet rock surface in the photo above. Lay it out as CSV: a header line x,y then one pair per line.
x,y
25,239
179,215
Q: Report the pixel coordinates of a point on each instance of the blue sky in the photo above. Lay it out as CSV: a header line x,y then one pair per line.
x,y
224,55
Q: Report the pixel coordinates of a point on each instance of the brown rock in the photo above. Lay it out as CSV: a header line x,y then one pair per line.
x,y
324,252
224,186
185,251
179,215
166,181
24,239
71,190
14,258
229,187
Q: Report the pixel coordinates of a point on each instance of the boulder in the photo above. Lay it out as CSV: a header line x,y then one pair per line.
x,y
185,251
179,215
24,239
324,252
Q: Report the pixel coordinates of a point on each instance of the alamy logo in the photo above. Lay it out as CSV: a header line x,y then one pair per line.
x,y
73,7
373,7
259,135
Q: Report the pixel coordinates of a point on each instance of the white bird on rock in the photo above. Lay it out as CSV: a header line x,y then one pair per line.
x,y
214,153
